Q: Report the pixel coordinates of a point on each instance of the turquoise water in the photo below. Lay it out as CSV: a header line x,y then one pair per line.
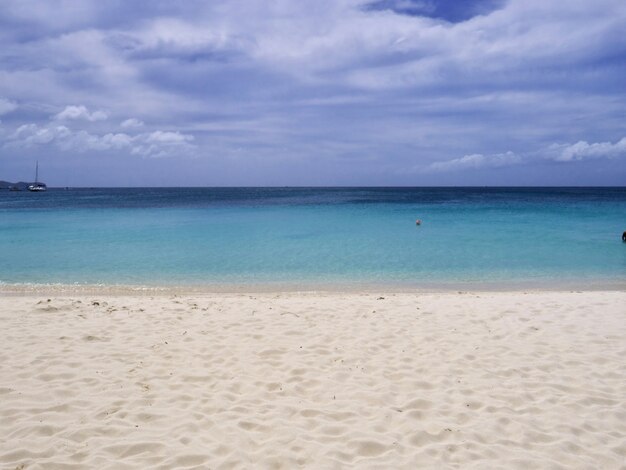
x,y
313,235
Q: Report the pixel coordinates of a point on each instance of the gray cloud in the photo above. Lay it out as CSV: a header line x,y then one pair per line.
x,y
401,85
6,106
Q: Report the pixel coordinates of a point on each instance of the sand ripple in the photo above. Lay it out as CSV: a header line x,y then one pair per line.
x,y
455,380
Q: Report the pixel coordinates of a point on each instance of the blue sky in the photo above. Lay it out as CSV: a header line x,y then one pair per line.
x,y
324,92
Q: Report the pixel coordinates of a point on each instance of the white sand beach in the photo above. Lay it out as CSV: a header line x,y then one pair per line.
x,y
313,380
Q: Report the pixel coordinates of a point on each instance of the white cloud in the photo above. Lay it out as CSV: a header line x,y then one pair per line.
x,y
476,161
583,150
131,123
28,135
154,144
580,150
167,137
82,141
162,143
6,106
80,113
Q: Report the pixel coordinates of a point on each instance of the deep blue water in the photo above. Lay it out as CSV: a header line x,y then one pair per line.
x,y
154,236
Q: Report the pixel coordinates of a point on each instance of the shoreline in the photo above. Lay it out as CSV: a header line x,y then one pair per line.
x,y
312,287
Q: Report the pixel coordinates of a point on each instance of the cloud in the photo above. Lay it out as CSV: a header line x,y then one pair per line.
x,y
131,123
80,113
82,141
567,153
406,7
154,144
477,161
31,134
169,38
163,143
355,78
167,137
583,150
6,106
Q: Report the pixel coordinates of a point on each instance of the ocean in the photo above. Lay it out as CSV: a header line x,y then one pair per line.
x,y
303,237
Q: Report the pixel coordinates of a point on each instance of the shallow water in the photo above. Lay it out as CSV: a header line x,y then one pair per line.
x,y
156,236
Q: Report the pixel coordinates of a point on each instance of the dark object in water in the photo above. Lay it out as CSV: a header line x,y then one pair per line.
x,y
624,237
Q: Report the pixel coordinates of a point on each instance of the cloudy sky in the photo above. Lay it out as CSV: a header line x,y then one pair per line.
x,y
313,92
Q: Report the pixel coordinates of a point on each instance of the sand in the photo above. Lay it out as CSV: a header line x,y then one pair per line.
x,y
313,380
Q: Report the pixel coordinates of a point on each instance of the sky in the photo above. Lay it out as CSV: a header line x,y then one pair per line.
x,y
313,92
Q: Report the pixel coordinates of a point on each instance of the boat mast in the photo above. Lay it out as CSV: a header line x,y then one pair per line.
x,y
37,172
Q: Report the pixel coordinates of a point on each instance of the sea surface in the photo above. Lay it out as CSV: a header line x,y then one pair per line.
x,y
314,236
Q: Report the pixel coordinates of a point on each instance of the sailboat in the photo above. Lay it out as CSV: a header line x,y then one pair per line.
x,y
37,186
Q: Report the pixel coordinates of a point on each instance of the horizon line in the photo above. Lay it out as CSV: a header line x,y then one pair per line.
x,y
331,186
